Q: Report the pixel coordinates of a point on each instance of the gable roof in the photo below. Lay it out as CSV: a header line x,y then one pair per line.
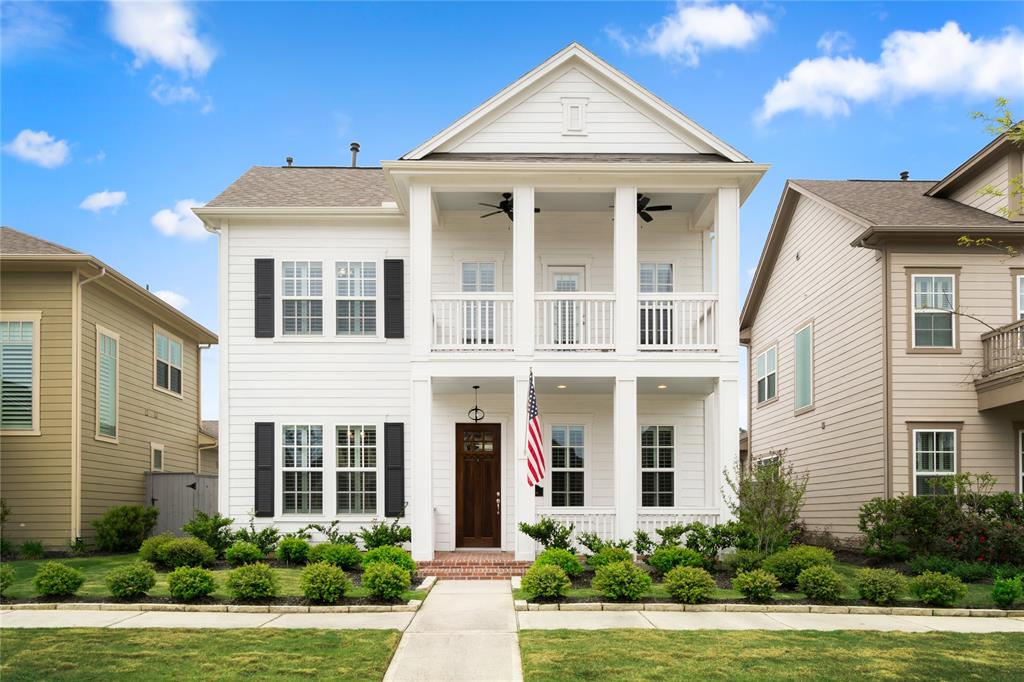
x,y
15,242
971,167
305,186
575,55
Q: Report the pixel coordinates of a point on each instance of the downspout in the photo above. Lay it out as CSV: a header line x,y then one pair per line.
x,y
76,401
199,404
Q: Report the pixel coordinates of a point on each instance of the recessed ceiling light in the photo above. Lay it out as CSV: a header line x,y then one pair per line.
x,y
561,386
662,386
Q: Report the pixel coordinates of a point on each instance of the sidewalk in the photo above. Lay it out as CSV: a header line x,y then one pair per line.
x,y
184,619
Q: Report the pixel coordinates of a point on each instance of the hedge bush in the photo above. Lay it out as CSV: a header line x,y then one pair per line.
x,y
757,586
293,550
390,555
241,553
546,581
6,577
690,584
214,530
550,533
185,552
123,528
743,560
788,564
188,583
664,559
252,582
1006,591
821,583
131,580
609,555
562,558
382,534
622,580
31,549
54,579
968,571
880,585
324,583
386,580
938,589
150,548
344,556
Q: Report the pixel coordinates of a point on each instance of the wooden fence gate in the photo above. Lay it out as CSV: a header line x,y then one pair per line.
x,y
178,496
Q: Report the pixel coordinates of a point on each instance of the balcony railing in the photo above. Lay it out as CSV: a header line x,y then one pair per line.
x,y
575,321
1003,349
678,321
472,321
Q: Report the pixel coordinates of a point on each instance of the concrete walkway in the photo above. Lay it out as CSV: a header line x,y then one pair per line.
x,y
185,619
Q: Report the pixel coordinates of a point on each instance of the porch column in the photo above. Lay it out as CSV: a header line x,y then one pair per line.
x,y
625,267
727,441
625,458
525,502
420,253
727,229
422,480
522,270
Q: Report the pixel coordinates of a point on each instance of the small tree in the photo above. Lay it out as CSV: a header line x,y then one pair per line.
x,y
767,500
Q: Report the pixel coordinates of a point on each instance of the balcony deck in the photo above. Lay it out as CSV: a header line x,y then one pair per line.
x,y
1002,374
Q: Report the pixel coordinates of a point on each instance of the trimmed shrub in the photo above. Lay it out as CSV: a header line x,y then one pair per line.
x,y
324,583
131,580
757,586
938,589
562,558
123,528
188,583
6,577
789,563
1006,591
214,530
821,583
386,580
880,585
690,585
264,538
31,549
385,535
664,559
241,553
390,555
293,550
343,556
969,572
642,543
622,580
550,533
150,549
54,579
546,581
185,552
743,560
609,555
252,582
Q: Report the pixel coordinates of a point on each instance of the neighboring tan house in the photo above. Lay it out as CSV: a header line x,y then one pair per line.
x,y
873,362
360,308
100,385
208,451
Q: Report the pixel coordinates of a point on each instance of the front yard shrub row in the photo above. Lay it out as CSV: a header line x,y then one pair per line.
x,y
54,579
389,555
123,528
6,577
938,589
664,559
253,582
324,583
562,558
189,583
789,563
968,571
622,580
1006,591
757,586
690,585
214,530
821,583
609,555
185,552
386,580
242,552
546,581
345,556
132,580
743,560
880,585
293,550
150,548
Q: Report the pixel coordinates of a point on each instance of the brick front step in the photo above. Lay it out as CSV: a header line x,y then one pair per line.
x,y
473,565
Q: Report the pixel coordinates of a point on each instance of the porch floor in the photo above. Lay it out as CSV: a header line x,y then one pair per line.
x,y
473,566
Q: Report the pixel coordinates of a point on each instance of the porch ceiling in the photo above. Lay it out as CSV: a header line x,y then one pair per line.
x,y
576,202
573,385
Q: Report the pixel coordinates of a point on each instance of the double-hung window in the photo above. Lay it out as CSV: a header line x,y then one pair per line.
x,y
19,373
477,315
357,469
934,459
567,465
656,317
934,298
302,305
803,368
167,362
657,466
302,469
767,377
356,298
107,351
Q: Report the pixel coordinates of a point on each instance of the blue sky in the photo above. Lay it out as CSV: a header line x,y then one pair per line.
x,y
152,108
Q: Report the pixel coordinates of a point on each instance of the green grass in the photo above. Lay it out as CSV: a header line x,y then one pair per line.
x,y
96,568
628,655
100,654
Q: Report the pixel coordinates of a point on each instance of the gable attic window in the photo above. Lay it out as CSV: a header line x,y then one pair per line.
x,y
574,115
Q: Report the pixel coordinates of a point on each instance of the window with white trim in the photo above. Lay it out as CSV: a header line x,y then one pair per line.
x,y
107,350
355,298
934,298
167,359
478,316
657,466
19,374
803,368
656,278
567,465
356,469
934,459
302,469
766,375
656,317
156,457
302,305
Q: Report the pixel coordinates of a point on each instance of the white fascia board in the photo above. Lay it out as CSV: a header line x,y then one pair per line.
x,y
214,217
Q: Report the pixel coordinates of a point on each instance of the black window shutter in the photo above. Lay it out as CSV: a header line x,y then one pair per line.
x,y
264,502
394,468
394,299
264,276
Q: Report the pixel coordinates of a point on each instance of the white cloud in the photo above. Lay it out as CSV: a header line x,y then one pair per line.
x,y
180,221
697,27
97,201
943,62
172,297
163,32
165,93
98,157
835,42
40,148
30,26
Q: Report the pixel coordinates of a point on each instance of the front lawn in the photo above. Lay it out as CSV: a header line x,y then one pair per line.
x,y
625,655
96,568
102,654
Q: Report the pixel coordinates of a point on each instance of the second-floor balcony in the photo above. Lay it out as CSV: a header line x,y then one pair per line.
x,y
1001,383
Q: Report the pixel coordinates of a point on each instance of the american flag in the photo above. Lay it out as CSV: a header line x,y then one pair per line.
x,y
535,465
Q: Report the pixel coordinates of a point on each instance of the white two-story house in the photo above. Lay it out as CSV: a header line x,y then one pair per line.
x,y
574,225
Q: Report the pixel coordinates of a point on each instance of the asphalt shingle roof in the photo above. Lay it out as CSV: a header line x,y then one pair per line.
x,y
273,186
16,243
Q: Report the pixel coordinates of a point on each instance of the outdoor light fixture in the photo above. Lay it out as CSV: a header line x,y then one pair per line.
x,y
561,386
662,386
476,414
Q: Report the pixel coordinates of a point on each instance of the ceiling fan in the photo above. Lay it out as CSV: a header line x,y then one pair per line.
x,y
643,209
503,206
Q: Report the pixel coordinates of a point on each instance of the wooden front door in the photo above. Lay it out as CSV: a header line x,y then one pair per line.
x,y
477,485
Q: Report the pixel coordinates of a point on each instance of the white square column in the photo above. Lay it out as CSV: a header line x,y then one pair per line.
x,y
727,231
525,502
421,486
627,319
726,453
626,464
420,255
523,259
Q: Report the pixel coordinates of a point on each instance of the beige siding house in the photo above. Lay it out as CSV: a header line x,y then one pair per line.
x,y
882,355
100,385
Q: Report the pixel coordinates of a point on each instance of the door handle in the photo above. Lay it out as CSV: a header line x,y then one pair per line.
x,y
497,501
